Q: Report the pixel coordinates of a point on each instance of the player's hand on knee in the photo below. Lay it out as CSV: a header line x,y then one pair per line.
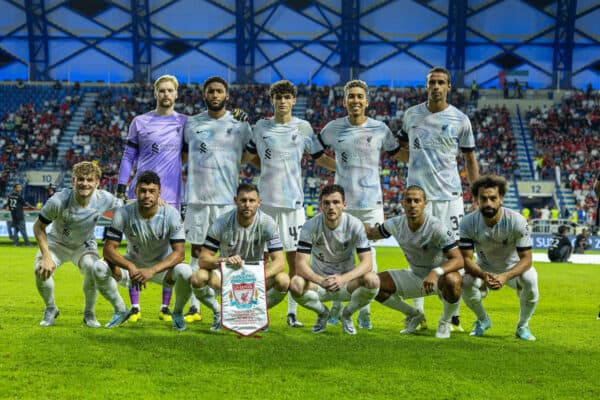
x,y
46,268
429,282
240,115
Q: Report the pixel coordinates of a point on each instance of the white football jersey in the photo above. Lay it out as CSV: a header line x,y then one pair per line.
x,y
424,249
72,224
332,250
280,148
434,140
358,158
215,148
496,246
148,241
229,238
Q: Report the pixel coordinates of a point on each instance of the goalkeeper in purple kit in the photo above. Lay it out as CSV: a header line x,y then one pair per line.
x,y
155,143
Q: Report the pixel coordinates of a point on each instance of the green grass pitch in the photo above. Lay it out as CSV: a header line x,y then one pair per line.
x,y
151,360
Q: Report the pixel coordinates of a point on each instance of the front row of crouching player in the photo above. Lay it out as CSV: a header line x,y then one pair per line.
x,y
325,260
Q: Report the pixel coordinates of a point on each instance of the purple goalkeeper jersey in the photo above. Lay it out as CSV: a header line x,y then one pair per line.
x,y
155,143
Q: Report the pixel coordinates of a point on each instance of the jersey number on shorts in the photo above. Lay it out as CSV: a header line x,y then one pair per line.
x,y
455,222
293,231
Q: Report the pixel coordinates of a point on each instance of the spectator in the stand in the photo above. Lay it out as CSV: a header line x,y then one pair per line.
x,y
526,213
582,241
474,91
554,213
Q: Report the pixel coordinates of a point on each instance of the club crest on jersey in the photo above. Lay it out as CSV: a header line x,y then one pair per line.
x,y
243,293
294,138
229,131
369,139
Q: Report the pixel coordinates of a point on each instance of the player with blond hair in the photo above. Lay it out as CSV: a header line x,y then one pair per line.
x,y
73,213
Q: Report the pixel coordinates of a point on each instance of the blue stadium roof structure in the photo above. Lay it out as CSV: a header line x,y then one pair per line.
x,y
392,42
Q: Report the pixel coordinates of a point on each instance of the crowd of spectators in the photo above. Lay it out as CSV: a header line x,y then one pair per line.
x,y
30,133
567,142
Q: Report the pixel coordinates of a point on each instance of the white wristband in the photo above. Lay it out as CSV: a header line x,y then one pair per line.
x,y
439,271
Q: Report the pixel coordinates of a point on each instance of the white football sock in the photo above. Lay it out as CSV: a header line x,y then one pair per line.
x,y
360,298
274,297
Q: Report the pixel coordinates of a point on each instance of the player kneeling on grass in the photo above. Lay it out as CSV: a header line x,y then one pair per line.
x,y
73,214
503,244
433,263
240,236
331,237
155,251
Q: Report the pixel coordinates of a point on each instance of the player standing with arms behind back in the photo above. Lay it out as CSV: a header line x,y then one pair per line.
x,y
432,135
358,141
215,140
154,143
280,142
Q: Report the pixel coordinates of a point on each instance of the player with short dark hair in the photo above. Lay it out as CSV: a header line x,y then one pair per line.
x,y
433,258
325,264
279,143
214,143
358,142
239,236
155,251
433,133
503,244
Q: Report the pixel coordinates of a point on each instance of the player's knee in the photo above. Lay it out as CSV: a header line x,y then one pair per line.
x,y
199,278
87,263
101,270
371,280
282,282
181,272
297,286
450,286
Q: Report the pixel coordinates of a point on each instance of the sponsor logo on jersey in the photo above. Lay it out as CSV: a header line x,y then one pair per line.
x,y
417,143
